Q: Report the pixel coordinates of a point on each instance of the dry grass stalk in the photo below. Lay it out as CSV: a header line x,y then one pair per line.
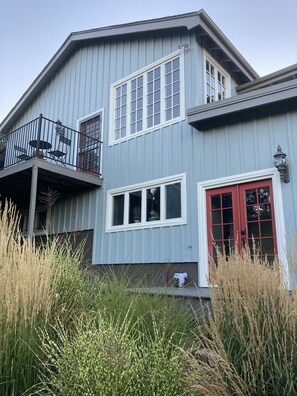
x,y
251,331
26,273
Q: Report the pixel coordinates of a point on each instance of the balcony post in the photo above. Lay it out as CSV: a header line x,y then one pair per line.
x,y
39,133
32,207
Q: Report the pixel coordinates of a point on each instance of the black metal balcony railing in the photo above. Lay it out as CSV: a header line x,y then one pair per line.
x,y
54,142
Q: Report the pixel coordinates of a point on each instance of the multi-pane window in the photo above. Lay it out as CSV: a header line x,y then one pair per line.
x,y
120,111
149,99
148,205
172,89
136,110
216,82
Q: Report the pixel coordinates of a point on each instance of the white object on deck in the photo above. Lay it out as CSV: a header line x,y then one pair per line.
x,y
181,277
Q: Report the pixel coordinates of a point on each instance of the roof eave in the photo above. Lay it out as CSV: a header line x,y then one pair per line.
x,y
269,79
200,115
218,36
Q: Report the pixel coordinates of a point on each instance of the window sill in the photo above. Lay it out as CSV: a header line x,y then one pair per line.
x,y
142,226
146,131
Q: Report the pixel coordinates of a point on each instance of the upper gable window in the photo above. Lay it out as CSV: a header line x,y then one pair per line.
x,y
216,81
148,99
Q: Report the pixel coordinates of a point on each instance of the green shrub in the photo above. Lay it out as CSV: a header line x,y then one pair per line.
x,y
143,310
105,358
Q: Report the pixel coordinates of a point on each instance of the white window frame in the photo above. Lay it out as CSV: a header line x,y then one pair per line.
x,y
218,67
202,187
143,72
163,222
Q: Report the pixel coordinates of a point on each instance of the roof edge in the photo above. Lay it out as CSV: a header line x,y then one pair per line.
x,y
207,21
188,20
197,115
269,79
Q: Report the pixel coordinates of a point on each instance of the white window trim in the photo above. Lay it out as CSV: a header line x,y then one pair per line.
x,y
160,62
202,187
86,118
181,178
208,57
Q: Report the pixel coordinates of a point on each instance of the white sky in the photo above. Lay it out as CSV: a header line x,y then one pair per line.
x,y
31,31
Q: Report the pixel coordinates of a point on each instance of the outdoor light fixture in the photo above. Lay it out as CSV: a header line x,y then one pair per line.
x,y
282,165
59,128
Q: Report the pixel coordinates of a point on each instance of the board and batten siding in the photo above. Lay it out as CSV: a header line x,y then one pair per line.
x,y
81,87
248,144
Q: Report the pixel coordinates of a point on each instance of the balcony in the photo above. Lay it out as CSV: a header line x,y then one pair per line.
x,y
45,154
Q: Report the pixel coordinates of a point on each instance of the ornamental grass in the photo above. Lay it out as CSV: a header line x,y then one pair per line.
x,y
247,343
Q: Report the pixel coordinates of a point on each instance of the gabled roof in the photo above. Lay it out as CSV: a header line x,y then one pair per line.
x,y
200,20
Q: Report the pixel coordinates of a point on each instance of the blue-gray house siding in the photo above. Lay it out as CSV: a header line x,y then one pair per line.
x,y
238,143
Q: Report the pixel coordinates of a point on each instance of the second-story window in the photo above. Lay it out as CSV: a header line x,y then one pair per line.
x,y
147,99
216,81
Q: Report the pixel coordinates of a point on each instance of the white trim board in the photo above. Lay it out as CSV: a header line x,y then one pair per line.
x,y
202,187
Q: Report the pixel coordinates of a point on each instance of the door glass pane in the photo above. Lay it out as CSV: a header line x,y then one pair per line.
x,y
264,195
254,246
267,246
135,207
216,217
217,233
265,211
252,212
215,201
227,200
253,229
217,248
228,231
250,197
266,228
228,215
118,210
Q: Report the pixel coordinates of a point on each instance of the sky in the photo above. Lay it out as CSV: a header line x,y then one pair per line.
x,y
31,31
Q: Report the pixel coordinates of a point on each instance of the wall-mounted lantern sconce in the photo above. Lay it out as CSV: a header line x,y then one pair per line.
x,y
59,128
282,165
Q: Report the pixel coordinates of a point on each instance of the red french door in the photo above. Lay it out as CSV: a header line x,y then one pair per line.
x,y
242,216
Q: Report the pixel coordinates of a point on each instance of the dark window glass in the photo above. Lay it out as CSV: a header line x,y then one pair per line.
x,y
135,207
118,210
153,204
173,201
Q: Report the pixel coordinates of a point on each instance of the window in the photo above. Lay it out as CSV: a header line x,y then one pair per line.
x,y
158,203
40,221
216,81
147,99
89,144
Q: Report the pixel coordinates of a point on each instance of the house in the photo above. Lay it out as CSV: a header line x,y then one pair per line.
x,y
151,139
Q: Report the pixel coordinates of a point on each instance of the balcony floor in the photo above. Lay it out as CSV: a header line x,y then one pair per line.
x,y
15,181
